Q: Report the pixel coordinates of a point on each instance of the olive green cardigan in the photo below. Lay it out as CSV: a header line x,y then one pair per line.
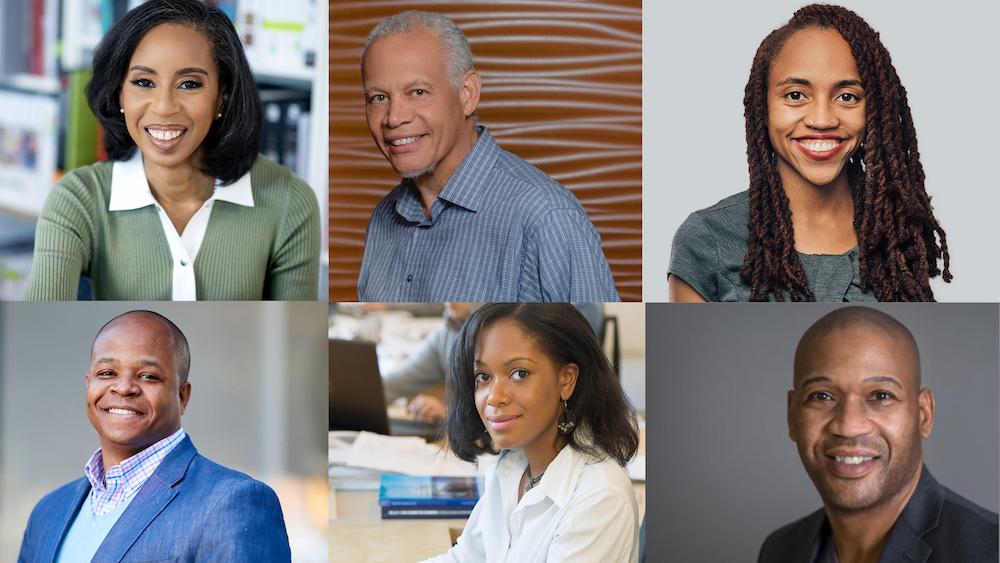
x,y
268,251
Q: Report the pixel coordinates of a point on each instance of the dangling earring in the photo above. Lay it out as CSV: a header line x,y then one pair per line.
x,y
567,420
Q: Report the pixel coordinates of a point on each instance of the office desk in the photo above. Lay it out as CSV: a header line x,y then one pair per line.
x,y
358,533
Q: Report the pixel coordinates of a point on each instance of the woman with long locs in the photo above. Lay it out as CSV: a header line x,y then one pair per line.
x,y
836,208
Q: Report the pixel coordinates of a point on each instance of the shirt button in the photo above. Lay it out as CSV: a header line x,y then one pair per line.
x,y
409,278
184,263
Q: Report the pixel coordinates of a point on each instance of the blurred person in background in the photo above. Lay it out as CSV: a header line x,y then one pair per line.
x,y
427,367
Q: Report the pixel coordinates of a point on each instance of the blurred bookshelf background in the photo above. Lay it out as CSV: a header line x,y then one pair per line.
x,y
47,129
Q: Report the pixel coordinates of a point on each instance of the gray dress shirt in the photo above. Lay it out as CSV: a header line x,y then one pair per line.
x,y
500,230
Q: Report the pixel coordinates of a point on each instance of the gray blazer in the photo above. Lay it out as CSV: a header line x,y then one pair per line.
x,y
936,525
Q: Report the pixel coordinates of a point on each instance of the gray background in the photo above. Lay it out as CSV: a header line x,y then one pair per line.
x,y
696,60
258,401
726,472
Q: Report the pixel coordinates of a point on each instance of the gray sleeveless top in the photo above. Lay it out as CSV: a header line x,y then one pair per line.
x,y
710,245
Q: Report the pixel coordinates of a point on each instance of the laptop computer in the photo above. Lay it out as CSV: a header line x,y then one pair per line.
x,y
357,399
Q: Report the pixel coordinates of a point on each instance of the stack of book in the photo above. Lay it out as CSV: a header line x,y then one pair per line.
x,y
28,31
407,496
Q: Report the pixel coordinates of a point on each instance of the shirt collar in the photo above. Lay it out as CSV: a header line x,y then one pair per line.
x,y
558,481
130,188
467,185
113,484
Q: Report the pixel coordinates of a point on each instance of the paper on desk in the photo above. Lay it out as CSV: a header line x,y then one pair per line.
x,y
347,478
409,455
340,445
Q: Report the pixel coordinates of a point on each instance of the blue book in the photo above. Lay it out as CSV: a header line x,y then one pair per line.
x,y
409,512
405,491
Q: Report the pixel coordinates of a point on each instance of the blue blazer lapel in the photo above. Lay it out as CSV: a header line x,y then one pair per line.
x,y
79,492
151,499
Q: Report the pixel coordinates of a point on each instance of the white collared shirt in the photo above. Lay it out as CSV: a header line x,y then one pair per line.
x,y
581,511
130,190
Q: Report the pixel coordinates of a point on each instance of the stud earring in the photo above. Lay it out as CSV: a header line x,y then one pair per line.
x,y
218,115
567,420
121,110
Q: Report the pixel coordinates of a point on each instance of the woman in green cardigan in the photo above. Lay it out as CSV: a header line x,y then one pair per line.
x,y
195,212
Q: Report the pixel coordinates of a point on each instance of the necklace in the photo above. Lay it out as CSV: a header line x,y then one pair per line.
x,y
532,481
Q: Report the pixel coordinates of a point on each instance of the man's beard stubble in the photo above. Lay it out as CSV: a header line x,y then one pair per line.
x,y
851,496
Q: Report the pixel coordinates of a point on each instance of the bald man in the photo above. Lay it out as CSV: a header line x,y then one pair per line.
x,y
147,494
858,415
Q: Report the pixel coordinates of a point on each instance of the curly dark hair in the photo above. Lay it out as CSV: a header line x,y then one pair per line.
x,y
233,141
893,218
564,335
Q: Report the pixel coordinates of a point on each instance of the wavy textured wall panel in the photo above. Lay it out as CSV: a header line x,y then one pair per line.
x,y
562,88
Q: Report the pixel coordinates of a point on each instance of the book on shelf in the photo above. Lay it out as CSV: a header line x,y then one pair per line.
x,y
29,127
28,42
280,37
83,142
285,138
409,496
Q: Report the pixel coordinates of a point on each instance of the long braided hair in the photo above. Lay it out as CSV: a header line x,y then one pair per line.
x,y
893,219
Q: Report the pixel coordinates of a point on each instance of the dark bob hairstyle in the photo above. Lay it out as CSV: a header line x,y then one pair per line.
x,y
233,141
902,244
603,414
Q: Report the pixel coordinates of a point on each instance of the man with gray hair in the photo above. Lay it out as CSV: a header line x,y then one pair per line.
x,y
469,221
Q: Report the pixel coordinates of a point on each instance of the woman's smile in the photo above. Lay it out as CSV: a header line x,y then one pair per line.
x,y
816,108
170,96
165,138
819,147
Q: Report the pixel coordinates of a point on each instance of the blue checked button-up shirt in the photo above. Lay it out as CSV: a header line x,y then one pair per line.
x,y
501,230
109,489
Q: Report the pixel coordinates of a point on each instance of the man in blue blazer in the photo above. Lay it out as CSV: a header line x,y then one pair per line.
x,y
148,495
858,415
